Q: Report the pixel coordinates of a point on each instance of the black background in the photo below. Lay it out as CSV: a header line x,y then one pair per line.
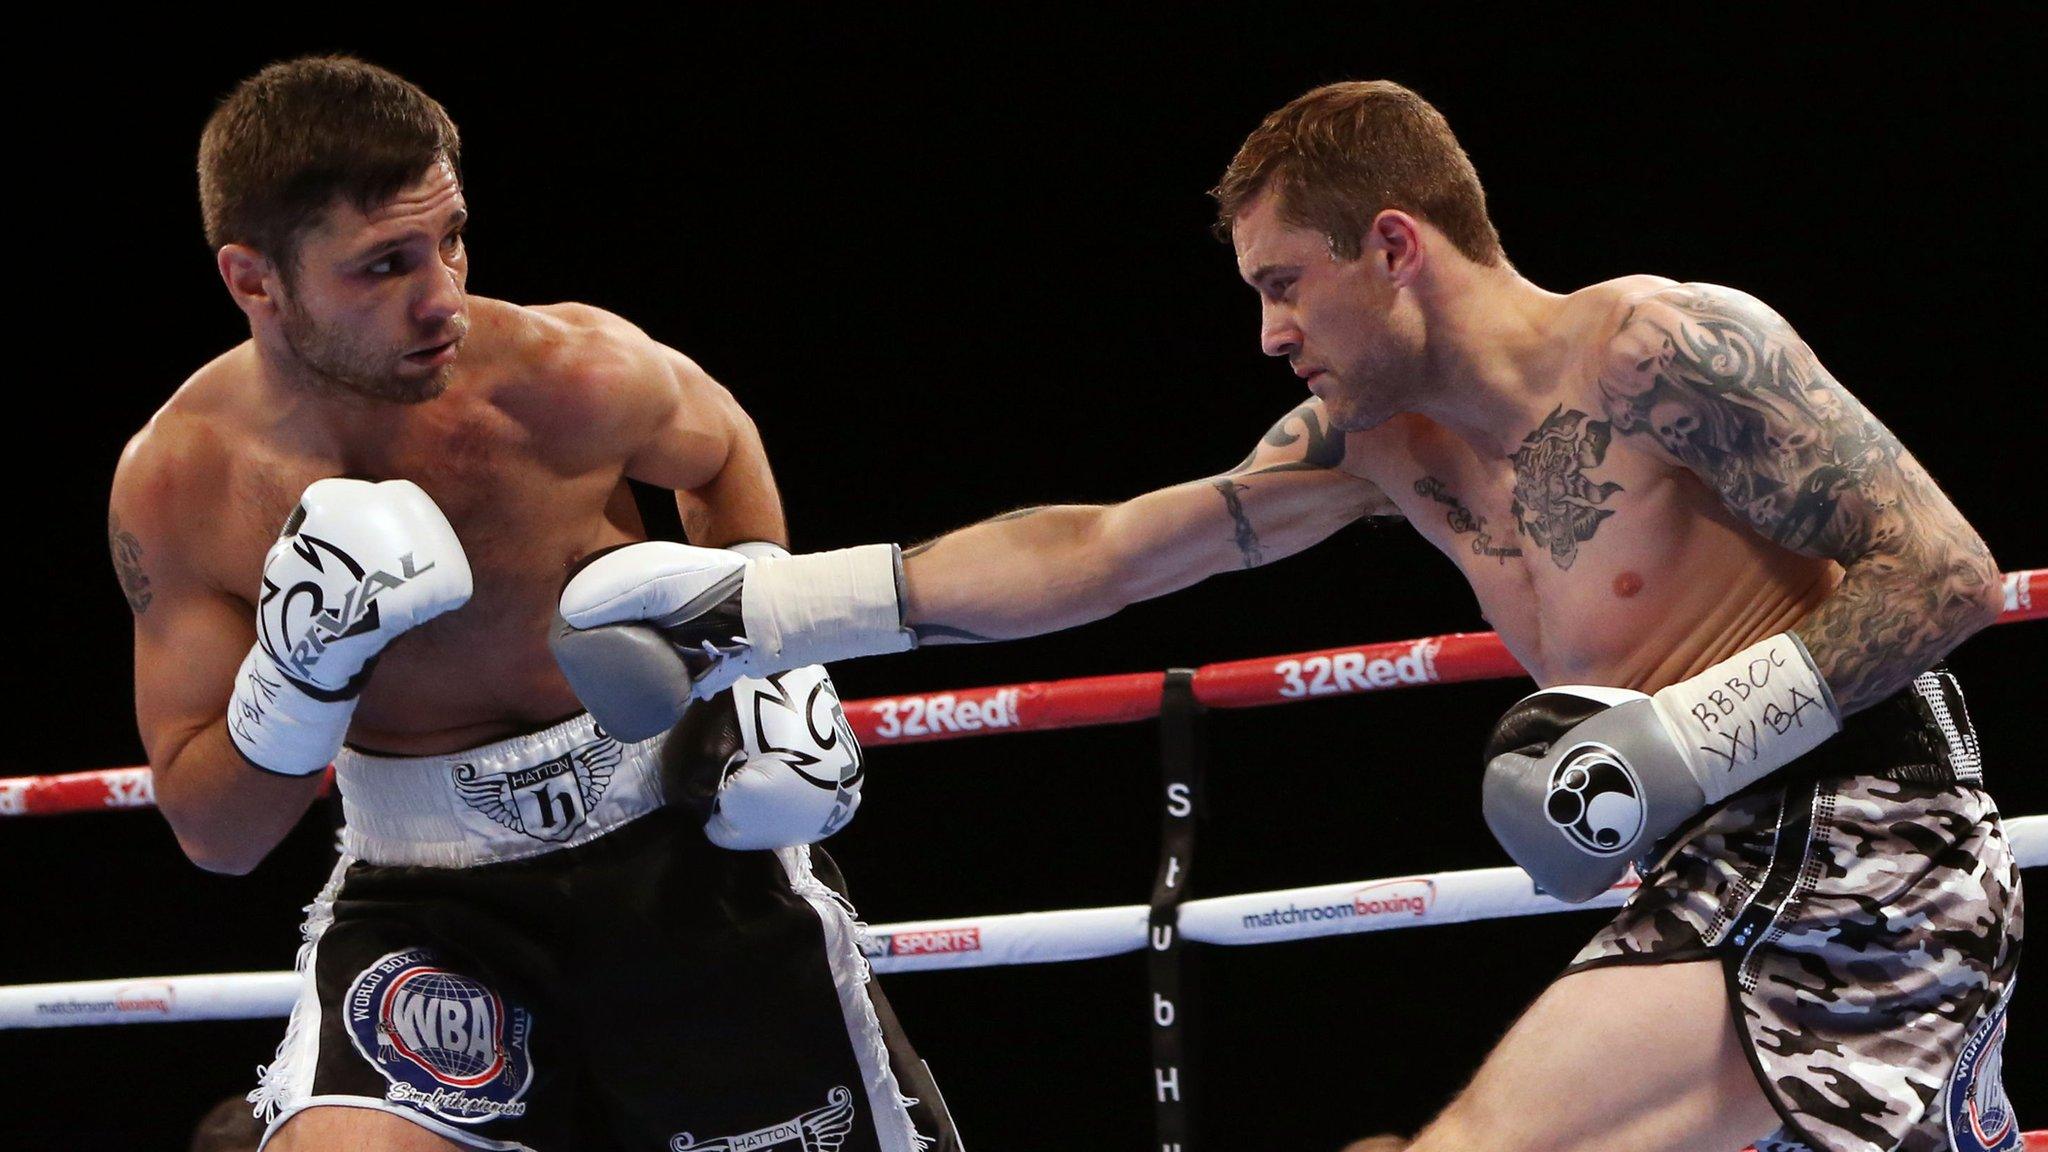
x,y
955,269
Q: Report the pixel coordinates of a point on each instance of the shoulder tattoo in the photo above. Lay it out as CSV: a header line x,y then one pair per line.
x,y
1725,387
127,553
1322,447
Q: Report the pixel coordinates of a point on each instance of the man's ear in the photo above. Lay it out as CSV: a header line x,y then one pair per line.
x,y
1394,243
251,278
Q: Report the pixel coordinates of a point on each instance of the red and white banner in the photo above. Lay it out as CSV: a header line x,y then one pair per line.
x,y
1048,704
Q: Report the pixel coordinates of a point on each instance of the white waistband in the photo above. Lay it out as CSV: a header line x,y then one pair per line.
x,y
521,797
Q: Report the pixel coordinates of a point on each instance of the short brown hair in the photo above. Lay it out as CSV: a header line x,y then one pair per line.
x,y
230,1126
292,139
1341,154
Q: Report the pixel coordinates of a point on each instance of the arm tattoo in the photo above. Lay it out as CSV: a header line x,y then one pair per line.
x,y
1726,387
1247,537
1322,446
127,552
1462,521
1556,504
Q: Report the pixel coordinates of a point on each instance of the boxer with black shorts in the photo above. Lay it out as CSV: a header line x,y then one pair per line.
x,y
1733,583
354,527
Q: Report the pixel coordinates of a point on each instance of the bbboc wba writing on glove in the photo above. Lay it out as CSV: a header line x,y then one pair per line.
x,y
1580,780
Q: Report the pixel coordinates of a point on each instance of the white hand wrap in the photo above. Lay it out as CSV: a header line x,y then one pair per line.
x,y
1749,715
824,606
648,627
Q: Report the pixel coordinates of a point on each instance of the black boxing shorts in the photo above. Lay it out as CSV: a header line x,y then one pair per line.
x,y
1866,908
523,947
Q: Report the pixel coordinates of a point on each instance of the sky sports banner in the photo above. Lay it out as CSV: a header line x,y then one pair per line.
x,y
991,941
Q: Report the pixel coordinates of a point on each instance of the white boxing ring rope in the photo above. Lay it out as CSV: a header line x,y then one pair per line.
x,y
1024,938
958,942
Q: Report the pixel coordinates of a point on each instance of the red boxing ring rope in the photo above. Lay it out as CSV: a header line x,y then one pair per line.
x,y
1043,705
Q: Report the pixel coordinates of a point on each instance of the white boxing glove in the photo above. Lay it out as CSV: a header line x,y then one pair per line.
x,y
772,763
357,565
648,627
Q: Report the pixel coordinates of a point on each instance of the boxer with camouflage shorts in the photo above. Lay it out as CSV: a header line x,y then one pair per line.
x,y
1731,580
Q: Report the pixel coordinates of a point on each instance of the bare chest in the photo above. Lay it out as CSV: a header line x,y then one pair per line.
x,y
1594,561
522,518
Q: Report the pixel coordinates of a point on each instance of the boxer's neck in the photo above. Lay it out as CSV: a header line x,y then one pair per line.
x,y
1495,351
326,415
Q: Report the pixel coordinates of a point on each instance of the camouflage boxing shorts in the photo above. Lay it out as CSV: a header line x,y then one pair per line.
x,y
1868,916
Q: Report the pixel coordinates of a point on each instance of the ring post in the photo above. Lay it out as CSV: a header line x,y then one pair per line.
x,y
1180,755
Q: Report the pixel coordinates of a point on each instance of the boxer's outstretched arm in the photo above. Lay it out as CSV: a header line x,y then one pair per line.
x,y
1718,382
190,638
1042,569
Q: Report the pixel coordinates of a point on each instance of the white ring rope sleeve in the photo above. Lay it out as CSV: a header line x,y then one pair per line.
x,y
960,942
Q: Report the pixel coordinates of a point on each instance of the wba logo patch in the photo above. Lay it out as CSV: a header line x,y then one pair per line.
x,y
448,1044
1980,1115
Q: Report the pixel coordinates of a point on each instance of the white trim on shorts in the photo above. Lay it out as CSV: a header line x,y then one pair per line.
x,y
894,1130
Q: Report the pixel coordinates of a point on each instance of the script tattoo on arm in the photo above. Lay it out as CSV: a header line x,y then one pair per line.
x,y
127,551
1463,522
1556,504
1724,386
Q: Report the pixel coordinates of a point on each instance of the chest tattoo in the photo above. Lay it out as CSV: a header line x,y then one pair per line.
x,y
1556,504
1463,522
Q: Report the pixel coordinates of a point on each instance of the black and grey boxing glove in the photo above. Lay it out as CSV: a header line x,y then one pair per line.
x,y
356,565
1581,780
646,628
771,762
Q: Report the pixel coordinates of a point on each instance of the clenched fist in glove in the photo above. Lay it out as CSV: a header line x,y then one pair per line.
x,y
357,565
648,627
1581,780
771,762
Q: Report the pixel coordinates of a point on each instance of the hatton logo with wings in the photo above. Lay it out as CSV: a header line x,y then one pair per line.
x,y
549,800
